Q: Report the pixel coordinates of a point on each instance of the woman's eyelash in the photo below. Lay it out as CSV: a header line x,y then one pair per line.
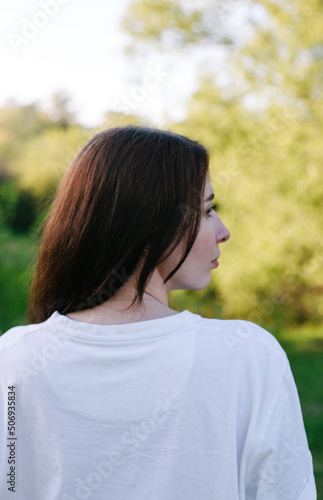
x,y
214,207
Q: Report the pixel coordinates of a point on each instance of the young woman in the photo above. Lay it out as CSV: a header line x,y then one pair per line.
x,y
111,394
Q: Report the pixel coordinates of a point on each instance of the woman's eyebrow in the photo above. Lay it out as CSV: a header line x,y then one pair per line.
x,y
210,197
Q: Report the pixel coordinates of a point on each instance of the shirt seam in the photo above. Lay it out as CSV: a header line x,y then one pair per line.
x,y
269,417
73,335
10,341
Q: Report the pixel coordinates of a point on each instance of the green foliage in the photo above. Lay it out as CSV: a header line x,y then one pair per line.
x,y
17,207
8,200
17,253
264,182
21,121
170,24
147,19
44,158
61,114
263,131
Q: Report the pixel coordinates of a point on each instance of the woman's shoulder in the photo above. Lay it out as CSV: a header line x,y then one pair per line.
x,y
26,350
16,334
241,344
19,343
244,361
239,333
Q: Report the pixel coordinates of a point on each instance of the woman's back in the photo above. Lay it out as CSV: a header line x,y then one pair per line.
x,y
180,407
105,401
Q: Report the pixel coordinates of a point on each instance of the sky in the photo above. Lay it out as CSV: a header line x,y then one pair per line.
x,y
79,46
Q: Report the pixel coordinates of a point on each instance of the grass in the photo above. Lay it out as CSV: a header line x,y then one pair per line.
x,y
304,348
16,253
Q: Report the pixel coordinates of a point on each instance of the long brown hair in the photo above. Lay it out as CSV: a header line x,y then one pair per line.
x,y
128,188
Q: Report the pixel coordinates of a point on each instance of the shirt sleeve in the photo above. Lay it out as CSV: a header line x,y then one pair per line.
x,y
283,467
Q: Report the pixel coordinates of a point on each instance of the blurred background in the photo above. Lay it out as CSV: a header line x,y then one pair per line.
x,y
245,78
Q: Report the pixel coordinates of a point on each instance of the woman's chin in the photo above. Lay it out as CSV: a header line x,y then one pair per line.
x,y
199,284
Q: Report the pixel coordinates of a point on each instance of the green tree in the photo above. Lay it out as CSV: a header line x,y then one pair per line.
x,y
60,109
263,132
43,159
18,123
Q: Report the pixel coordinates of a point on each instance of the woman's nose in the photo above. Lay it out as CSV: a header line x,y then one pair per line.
x,y
223,233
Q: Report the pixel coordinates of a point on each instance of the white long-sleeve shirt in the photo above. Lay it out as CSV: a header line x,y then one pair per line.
x,y
175,408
